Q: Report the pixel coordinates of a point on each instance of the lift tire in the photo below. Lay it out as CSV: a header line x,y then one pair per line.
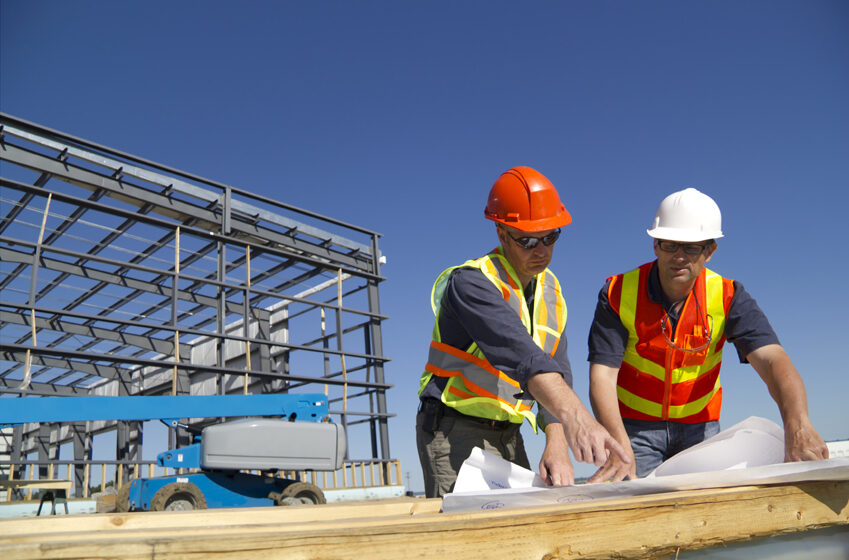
x,y
300,493
122,500
178,496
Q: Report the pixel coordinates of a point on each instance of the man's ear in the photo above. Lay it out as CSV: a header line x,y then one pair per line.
x,y
500,233
711,250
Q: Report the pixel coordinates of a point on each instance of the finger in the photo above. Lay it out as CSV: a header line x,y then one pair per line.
x,y
813,454
613,446
578,452
620,474
543,473
600,475
600,454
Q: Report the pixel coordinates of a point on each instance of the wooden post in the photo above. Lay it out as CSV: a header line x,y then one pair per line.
x,y
176,332
247,317
86,479
31,477
33,280
11,477
339,340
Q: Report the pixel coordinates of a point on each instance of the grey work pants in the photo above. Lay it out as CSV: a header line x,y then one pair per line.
x,y
442,452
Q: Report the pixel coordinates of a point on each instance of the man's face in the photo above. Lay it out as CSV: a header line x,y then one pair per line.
x,y
526,262
679,264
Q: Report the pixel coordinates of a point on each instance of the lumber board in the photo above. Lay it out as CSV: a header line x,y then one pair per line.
x,y
224,517
44,484
640,527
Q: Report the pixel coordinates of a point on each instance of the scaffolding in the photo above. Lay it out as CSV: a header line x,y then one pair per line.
x,y
121,276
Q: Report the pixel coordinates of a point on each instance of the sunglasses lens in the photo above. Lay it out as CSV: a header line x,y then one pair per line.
x,y
531,242
550,238
528,242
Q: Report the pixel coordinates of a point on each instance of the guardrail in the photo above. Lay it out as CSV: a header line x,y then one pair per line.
x,y
353,474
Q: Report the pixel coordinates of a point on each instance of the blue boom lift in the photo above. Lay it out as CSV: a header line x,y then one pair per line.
x,y
299,439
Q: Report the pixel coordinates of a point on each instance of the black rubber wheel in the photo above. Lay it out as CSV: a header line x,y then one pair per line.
x,y
178,496
122,500
299,493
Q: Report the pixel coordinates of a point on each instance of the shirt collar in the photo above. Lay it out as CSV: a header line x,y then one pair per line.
x,y
656,294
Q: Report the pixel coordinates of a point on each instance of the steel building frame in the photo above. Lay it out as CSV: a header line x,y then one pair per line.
x,y
121,276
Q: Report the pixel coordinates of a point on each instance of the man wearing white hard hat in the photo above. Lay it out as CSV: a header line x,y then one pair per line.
x,y
656,342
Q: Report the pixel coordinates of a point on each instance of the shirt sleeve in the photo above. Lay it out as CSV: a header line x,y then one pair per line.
x,y
560,355
746,326
608,337
473,310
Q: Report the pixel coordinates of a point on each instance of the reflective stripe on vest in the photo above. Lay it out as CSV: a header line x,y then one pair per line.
x,y
473,385
657,381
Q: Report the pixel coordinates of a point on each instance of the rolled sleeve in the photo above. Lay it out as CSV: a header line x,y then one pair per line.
x,y
608,337
747,326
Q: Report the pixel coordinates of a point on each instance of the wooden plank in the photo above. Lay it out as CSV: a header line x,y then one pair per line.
x,y
224,517
44,484
643,527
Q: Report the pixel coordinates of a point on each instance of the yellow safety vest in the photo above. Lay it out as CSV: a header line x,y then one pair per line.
x,y
474,387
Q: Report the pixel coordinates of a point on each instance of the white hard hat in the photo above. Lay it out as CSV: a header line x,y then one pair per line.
x,y
687,216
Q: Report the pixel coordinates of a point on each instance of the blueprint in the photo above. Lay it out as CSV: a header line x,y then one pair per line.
x,y
748,453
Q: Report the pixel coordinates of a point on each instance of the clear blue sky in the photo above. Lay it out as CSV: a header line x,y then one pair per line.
x,y
398,116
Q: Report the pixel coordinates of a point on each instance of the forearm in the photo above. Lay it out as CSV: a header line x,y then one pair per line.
x,y
553,393
605,402
783,381
801,440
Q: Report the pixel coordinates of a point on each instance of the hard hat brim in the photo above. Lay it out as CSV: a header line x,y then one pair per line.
x,y
683,235
532,226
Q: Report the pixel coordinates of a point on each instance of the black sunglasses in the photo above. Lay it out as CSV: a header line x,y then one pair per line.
x,y
531,242
689,248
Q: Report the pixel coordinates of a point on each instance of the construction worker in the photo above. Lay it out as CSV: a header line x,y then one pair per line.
x,y
499,341
656,341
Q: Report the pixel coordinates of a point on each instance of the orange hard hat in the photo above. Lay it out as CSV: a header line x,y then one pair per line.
x,y
525,199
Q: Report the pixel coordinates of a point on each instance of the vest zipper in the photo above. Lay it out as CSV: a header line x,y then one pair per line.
x,y
667,380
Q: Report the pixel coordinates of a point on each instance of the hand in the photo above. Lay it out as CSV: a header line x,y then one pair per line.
x,y
590,442
555,467
615,470
803,443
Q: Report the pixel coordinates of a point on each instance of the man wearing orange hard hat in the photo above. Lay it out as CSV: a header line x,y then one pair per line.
x,y
499,342
655,347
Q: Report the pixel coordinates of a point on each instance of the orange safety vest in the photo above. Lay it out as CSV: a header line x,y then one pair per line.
x,y
657,381
473,385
